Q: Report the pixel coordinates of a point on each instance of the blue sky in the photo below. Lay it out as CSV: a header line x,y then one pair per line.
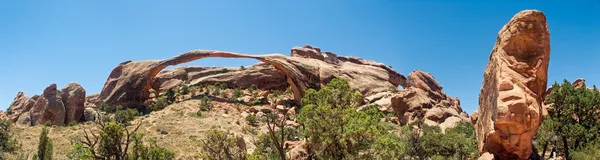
x,y
82,41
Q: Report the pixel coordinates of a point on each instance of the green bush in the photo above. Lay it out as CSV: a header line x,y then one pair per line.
x,y
589,152
125,116
48,123
237,93
218,145
205,104
152,151
170,96
7,143
159,104
223,86
252,88
252,120
184,89
79,152
389,146
216,92
45,146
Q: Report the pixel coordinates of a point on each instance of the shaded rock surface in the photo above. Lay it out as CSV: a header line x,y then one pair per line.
x,y
57,106
73,97
424,99
514,87
129,83
49,107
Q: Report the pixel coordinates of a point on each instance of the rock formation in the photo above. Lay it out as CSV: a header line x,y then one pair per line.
x,y
262,75
49,107
129,83
423,99
57,106
73,96
514,87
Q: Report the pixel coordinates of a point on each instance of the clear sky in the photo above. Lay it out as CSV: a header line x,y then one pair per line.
x,y
45,42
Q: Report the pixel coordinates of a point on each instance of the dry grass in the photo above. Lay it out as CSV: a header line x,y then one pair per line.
x,y
182,127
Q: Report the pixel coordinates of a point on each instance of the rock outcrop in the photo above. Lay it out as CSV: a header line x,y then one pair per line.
x,y
514,87
261,75
73,97
423,99
129,83
57,106
49,107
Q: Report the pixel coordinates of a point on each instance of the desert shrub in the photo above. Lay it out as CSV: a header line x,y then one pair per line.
x,y
125,116
252,120
205,104
114,141
7,142
224,70
159,104
48,123
170,96
572,121
242,68
109,108
252,88
224,94
218,144
216,92
150,151
45,146
184,89
223,86
589,152
72,123
237,93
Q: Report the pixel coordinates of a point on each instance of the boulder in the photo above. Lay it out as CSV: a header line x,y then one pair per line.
x,y
90,114
514,87
129,83
298,151
24,119
486,156
73,97
92,101
48,107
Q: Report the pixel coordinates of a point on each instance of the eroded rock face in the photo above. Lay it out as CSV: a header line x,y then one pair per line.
x,y
57,106
73,97
18,106
424,99
49,107
129,83
514,87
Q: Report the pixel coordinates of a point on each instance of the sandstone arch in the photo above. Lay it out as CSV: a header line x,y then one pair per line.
x,y
129,82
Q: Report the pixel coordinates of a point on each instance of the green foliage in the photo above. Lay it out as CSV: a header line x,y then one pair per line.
x,y
456,143
335,129
111,138
151,151
224,70
237,93
252,88
389,146
184,89
159,104
572,122
252,120
125,116
72,123
589,152
205,104
242,68
109,108
218,145
7,143
224,95
223,86
170,96
48,123
216,92
45,146
79,152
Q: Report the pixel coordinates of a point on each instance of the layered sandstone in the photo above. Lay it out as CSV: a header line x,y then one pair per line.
x,y
130,82
514,87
